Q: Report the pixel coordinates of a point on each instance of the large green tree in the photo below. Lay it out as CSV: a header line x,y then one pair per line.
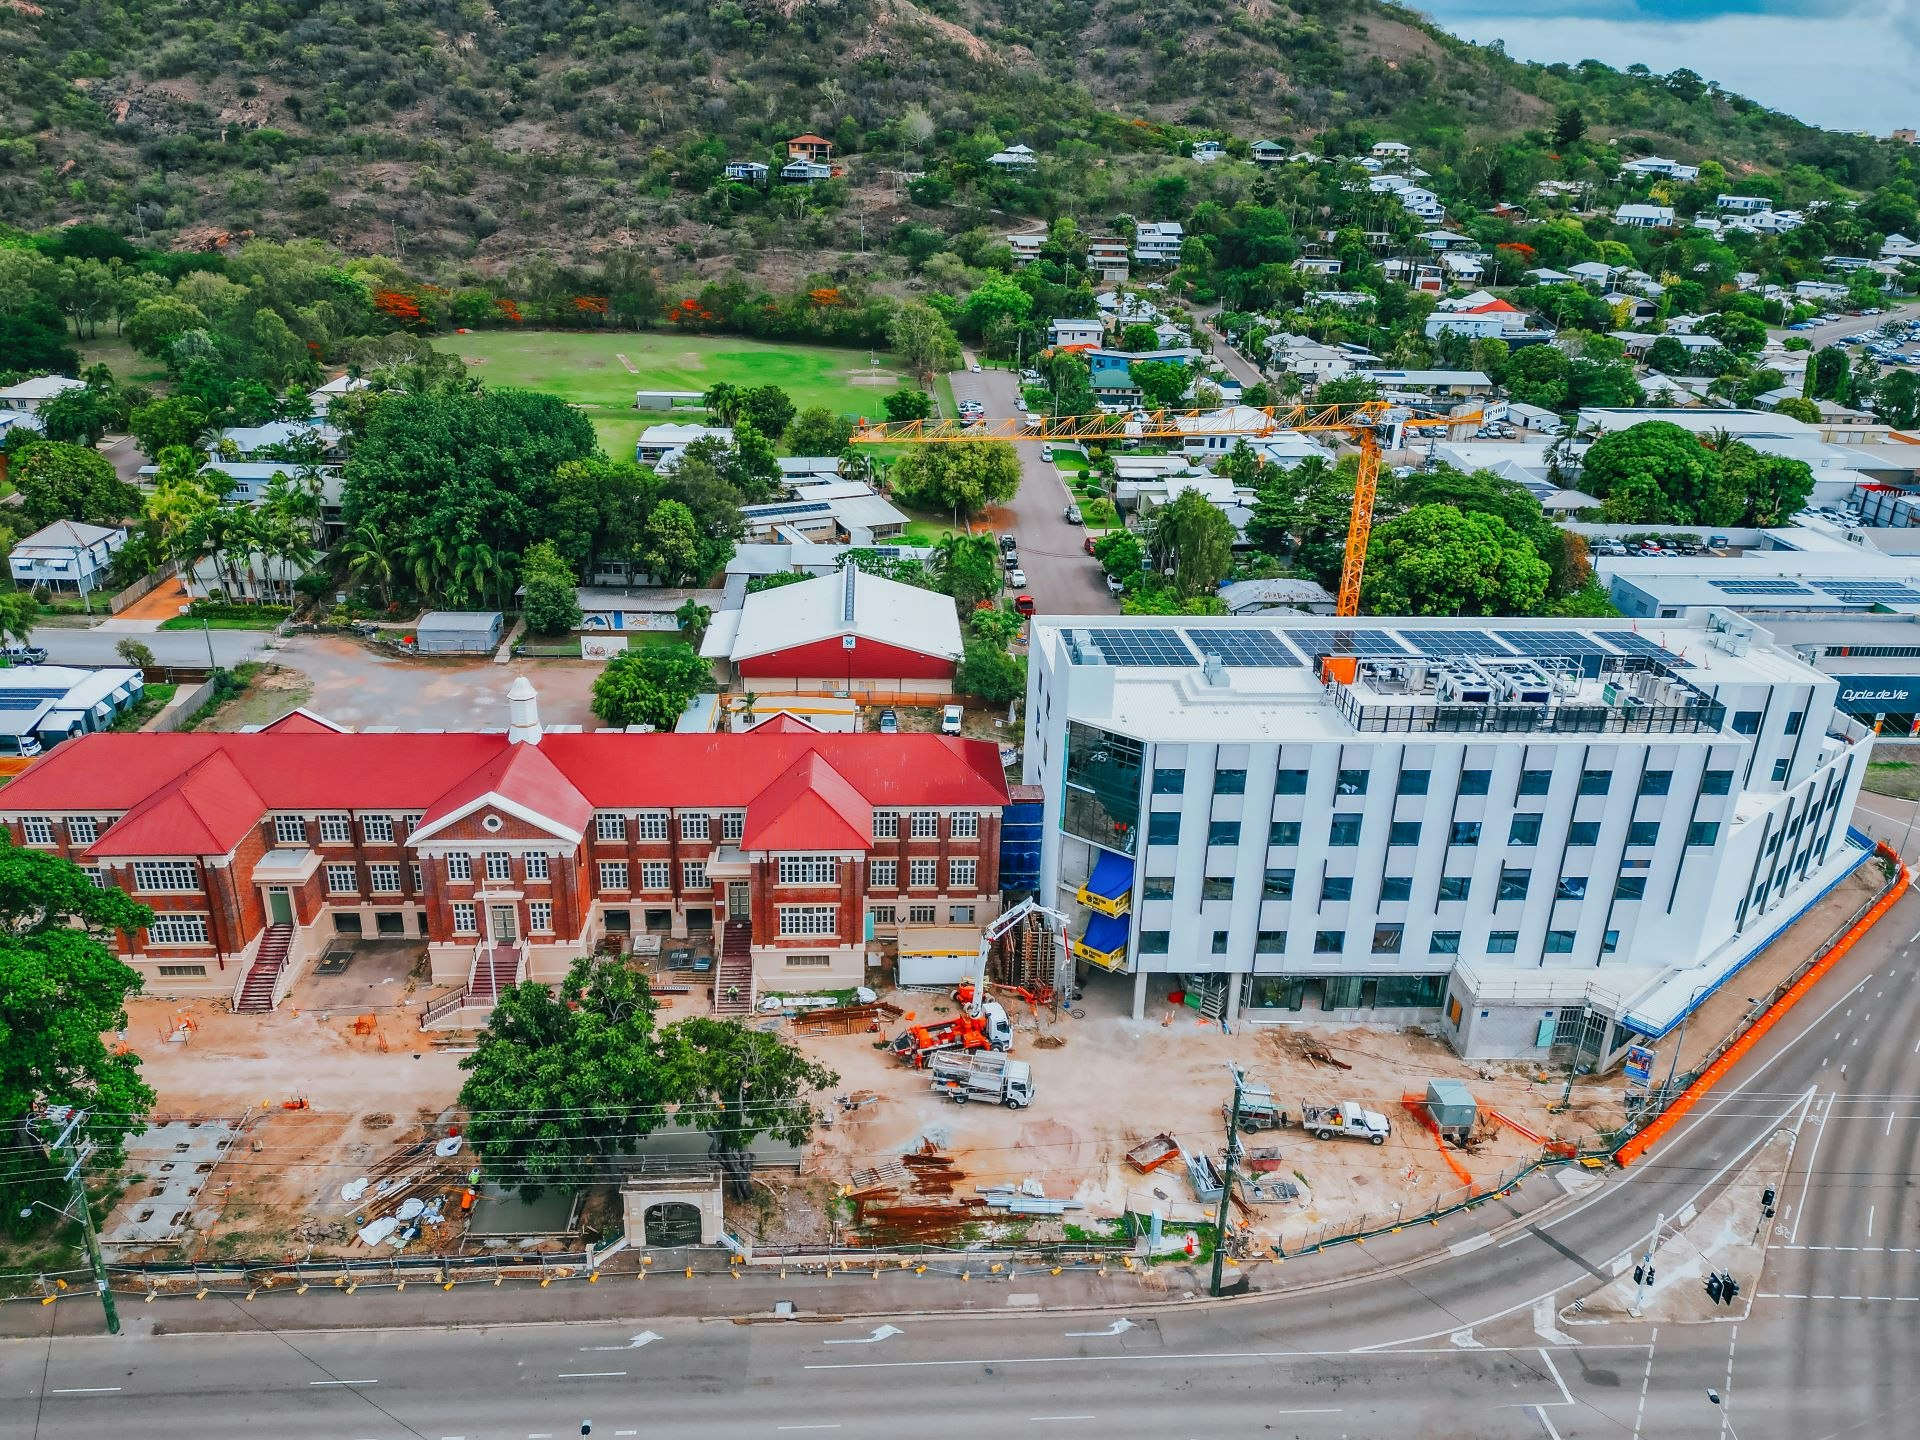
x,y
964,476
63,991
58,481
1652,472
1537,375
650,685
1194,538
564,1079
549,600
1436,560
967,567
819,431
739,1084
453,468
1163,383
923,340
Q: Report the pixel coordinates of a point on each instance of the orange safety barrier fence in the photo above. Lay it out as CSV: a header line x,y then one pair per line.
x,y
1712,1075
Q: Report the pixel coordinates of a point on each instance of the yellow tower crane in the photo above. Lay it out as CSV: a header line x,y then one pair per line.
x,y
1360,421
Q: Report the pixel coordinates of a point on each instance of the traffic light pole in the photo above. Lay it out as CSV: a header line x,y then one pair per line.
x,y
1643,1272
1226,1189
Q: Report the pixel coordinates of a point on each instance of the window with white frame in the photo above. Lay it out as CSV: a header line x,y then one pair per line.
x,y
465,920
809,919
886,824
166,875
883,915
809,870
966,827
38,829
410,823
341,880
609,827
383,879
499,865
536,867
883,874
540,916
923,874
925,825
289,830
693,875
656,875
459,867
809,962
378,829
920,914
335,830
178,930
960,873
96,877
733,825
613,874
960,914
418,881
181,972
650,825
82,829
695,827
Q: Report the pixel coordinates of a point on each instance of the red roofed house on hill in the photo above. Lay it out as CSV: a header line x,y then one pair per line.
x,y
510,855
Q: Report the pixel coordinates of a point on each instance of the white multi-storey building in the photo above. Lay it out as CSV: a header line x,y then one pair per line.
x,y
1525,834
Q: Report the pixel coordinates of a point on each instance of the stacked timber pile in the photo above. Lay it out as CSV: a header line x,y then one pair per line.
x,y
914,1200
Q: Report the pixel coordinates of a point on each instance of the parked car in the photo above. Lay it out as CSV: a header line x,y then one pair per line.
x,y
950,720
1046,452
1016,576
1023,604
23,655
1074,517
1115,586
889,723
1088,543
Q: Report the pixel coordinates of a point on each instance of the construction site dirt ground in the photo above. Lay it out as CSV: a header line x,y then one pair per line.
x,y
1114,1082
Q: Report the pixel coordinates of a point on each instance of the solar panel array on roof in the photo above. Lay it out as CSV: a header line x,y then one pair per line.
x,y
1760,587
1138,647
1551,642
1243,648
774,512
1320,643
1452,642
1890,592
1629,642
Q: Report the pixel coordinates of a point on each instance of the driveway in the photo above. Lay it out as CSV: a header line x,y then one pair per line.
x,y
1062,578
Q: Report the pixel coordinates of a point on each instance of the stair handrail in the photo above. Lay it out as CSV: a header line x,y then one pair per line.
x,y
445,1005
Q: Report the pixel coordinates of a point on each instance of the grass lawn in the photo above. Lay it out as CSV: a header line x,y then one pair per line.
x,y
584,367
153,699
1897,778
128,367
943,392
269,621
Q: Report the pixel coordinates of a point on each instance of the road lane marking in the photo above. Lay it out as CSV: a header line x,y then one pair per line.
x,y
1806,1180
343,1382
1889,1129
1726,1399
834,1426
1036,1419
1470,1244
1646,1379
1869,1222
1152,1357
89,1390
590,1374
1554,1370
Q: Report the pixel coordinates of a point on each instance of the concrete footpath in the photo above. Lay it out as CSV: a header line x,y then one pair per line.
x,y
879,1286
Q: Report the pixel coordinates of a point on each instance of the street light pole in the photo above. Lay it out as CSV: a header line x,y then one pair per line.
x,y
1666,1091
91,1240
1643,1273
212,664
1226,1187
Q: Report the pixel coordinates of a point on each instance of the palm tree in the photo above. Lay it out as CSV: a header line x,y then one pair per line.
x,y
290,541
177,505
477,569
370,560
430,562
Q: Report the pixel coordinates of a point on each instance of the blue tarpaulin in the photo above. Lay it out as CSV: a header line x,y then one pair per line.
x,y
1105,933
1112,877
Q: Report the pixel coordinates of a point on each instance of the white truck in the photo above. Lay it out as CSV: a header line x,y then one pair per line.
x,y
988,1076
1348,1118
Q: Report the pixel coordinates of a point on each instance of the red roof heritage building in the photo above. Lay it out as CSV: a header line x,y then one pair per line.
x,y
511,854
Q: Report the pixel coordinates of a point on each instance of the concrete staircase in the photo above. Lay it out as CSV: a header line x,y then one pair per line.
x,y
733,975
256,996
494,969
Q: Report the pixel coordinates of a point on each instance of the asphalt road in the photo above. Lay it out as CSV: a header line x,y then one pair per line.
x,y
1476,1344
1847,325
67,646
1062,578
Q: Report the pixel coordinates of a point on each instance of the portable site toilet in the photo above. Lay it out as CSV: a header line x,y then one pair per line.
x,y
1452,1107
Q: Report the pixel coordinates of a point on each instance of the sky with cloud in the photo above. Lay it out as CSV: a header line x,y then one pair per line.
x,y
1844,64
